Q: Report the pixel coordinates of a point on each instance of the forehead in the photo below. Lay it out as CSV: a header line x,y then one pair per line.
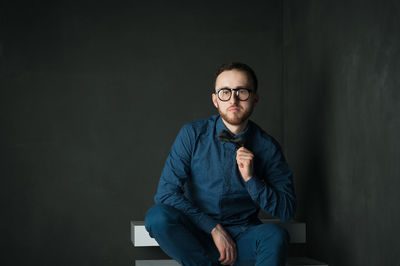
x,y
232,79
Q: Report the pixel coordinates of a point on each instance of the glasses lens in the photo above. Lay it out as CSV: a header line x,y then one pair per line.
x,y
224,94
243,94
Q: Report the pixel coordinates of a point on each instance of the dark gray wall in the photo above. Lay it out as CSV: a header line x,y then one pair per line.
x,y
92,96
342,126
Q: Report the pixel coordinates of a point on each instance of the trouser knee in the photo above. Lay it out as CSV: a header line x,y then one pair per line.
x,y
159,217
273,233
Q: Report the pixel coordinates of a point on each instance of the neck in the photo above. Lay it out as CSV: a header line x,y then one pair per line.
x,y
236,129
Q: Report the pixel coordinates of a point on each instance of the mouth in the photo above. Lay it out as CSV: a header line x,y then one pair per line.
x,y
234,109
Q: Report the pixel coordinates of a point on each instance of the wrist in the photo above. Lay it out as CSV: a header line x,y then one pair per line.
x,y
247,178
216,228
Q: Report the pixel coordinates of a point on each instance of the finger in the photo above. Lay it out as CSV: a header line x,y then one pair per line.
x,y
243,162
231,256
225,260
239,153
243,149
222,255
249,157
228,257
234,255
245,155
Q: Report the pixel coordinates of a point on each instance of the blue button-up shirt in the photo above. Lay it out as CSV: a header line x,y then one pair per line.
x,y
201,177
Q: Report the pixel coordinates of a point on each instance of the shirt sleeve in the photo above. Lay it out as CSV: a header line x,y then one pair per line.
x,y
274,190
173,177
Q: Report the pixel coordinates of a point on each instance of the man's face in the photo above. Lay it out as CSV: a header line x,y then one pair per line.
x,y
234,111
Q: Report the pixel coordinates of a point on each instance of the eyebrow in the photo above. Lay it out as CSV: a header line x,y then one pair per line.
x,y
237,88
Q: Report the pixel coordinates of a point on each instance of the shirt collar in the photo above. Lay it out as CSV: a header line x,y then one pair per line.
x,y
221,126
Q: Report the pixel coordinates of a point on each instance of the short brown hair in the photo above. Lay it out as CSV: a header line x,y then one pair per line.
x,y
241,67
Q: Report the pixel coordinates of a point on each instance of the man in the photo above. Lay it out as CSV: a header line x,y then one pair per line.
x,y
220,171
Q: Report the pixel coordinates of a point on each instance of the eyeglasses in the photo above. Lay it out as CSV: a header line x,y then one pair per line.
x,y
225,94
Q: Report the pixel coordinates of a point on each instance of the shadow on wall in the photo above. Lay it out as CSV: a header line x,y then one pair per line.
x,y
318,175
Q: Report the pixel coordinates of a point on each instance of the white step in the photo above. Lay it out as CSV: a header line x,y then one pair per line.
x,y
290,262
302,261
156,263
141,238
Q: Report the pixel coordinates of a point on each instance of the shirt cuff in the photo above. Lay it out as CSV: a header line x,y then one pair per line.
x,y
206,223
255,186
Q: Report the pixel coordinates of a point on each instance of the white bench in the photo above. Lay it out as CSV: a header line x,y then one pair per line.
x,y
297,231
141,238
290,262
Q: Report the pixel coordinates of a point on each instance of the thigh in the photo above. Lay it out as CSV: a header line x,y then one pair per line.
x,y
250,241
178,236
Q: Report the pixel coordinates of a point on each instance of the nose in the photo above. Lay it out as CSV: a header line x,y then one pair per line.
x,y
234,97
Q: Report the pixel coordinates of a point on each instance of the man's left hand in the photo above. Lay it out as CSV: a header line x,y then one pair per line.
x,y
245,161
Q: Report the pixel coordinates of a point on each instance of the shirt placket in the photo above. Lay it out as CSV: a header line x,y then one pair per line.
x,y
229,166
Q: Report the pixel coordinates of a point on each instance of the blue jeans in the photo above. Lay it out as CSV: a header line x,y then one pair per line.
x,y
263,244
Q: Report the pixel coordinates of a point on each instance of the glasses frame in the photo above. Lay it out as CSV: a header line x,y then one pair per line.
x,y
236,93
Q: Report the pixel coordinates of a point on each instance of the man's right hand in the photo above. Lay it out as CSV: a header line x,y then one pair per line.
x,y
225,245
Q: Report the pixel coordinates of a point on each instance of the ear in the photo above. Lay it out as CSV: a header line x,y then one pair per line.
x,y
256,98
214,99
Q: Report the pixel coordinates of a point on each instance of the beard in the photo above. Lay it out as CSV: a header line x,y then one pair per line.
x,y
236,118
